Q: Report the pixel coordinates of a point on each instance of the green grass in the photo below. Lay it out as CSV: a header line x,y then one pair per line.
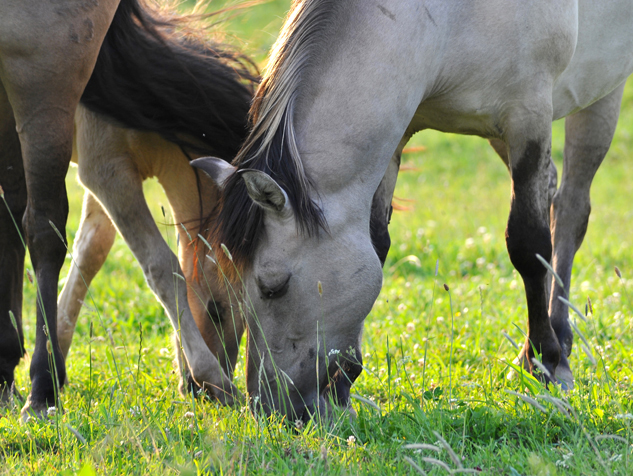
x,y
122,398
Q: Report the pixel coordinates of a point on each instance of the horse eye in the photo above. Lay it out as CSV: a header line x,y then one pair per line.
x,y
274,291
215,311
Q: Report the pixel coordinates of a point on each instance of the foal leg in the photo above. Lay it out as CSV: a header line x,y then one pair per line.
x,y
11,247
528,136
213,303
588,135
118,186
93,242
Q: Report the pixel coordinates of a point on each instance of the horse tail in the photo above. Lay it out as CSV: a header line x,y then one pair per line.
x,y
152,75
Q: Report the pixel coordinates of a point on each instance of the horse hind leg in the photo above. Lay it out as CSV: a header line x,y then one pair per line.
x,y
12,251
588,135
93,242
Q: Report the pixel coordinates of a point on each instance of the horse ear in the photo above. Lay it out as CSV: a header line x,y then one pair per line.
x,y
265,192
219,170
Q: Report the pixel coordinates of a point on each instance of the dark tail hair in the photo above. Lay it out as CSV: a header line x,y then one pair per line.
x,y
151,76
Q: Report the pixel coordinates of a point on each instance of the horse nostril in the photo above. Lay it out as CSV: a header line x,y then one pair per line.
x,y
276,289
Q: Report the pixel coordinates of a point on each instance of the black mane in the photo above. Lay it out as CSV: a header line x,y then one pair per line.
x,y
151,76
270,146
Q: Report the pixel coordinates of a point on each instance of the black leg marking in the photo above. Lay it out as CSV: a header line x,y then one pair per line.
x,y
12,252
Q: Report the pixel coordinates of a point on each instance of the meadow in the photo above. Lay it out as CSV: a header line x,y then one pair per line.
x,y
434,398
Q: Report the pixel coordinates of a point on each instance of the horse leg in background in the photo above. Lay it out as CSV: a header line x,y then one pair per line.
x,y
92,244
588,135
118,186
222,330
381,207
341,383
528,136
11,247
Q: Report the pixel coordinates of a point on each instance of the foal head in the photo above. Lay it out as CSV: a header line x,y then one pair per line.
x,y
212,299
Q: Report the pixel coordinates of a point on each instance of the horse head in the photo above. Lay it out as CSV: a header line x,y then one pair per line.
x,y
304,317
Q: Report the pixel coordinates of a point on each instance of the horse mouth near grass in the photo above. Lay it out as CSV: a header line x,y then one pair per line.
x,y
300,400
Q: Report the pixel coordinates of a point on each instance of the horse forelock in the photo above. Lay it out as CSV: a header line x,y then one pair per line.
x,y
271,145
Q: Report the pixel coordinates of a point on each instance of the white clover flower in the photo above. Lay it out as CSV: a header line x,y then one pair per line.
x,y
351,440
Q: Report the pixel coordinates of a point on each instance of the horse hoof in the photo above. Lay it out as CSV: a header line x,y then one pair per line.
x,y
563,375
38,410
229,395
9,395
32,410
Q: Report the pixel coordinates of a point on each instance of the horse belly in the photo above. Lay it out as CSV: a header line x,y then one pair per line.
x,y
603,58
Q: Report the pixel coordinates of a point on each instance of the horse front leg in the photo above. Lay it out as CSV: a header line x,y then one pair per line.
x,y
502,150
528,137
46,159
588,136
93,242
12,251
44,76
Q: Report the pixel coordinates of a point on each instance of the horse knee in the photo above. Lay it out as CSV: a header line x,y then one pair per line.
x,y
158,280
46,239
93,241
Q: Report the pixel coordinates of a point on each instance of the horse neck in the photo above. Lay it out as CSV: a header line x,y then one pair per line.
x,y
346,133
192,195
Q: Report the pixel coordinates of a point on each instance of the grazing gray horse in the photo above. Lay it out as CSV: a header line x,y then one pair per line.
x,y
347,86
147,76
